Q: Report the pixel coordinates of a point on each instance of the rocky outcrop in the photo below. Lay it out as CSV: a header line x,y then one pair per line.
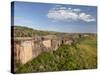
x,y
27,48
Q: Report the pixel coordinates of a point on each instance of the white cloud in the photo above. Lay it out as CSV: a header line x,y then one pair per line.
x,y
77,10
65,14
86,17
69,8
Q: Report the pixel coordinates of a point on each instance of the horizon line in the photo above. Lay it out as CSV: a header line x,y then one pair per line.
x,y
55,31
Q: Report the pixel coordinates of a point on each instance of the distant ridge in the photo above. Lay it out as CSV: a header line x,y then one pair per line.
x,y
23,31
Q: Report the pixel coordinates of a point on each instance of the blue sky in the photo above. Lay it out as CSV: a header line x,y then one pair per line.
x,y
56,17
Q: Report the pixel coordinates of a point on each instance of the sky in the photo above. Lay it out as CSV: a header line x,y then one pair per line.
x,y
56,17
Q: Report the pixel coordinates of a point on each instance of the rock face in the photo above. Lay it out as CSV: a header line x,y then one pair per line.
x,y
47,43
26,48
26,51
23,51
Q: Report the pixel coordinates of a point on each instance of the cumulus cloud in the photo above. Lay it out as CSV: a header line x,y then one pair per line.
x,y
77,10
86,17
65,14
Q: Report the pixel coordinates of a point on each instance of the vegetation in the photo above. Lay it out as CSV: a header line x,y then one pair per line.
x,y
81,55
20,31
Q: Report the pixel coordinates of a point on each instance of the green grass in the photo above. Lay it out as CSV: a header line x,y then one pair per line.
x,y
82,55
